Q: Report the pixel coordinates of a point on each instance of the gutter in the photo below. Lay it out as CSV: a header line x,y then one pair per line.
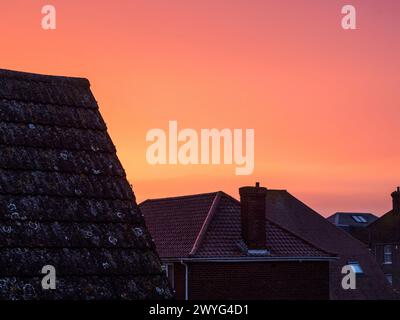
x,y
186,280
249,259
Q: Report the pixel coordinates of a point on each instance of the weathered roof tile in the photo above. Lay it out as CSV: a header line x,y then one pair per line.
x,y
65,200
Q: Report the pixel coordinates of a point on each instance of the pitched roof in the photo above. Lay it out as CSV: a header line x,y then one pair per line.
x,y
352,219
65,200
293,229
288,211
384,230
208,226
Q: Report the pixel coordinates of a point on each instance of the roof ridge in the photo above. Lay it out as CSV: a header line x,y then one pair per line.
x,y
197,195
179,197
50,79
352,213
207,222
230,197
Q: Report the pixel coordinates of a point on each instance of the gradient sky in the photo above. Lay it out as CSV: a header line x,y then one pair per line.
x,y
324,102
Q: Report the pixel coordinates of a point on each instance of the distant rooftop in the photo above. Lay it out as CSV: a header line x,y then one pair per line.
x,y
352,219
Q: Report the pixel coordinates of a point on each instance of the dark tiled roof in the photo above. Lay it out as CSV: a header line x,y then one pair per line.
x,y
208,226
384,230
346,219
288,211
293,229
65,200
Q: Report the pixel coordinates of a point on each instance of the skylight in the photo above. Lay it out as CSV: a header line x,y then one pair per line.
x,y
359,219
356,267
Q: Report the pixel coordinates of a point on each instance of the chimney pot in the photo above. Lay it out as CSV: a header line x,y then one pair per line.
x,y
396,201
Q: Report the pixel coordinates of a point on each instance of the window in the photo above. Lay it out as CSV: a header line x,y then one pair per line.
x,y
387,254
389,278
363,220
356,267
359,219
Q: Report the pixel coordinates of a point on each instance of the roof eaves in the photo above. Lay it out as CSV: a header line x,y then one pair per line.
x,y
165,199
257,259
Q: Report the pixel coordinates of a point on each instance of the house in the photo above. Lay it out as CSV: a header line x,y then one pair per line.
x,y
352,221
65,200
267,246
383,238
214,247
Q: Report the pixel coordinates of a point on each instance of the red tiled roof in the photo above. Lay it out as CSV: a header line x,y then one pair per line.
x,y
208,226
176,222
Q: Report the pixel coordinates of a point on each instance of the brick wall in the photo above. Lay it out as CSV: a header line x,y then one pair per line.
x,y
392,268
255,280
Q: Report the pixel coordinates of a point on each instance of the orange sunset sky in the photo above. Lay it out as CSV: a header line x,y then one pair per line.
x,y
324,102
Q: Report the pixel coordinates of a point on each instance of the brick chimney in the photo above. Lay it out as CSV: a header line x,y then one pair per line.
x,y
396,201
252,200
